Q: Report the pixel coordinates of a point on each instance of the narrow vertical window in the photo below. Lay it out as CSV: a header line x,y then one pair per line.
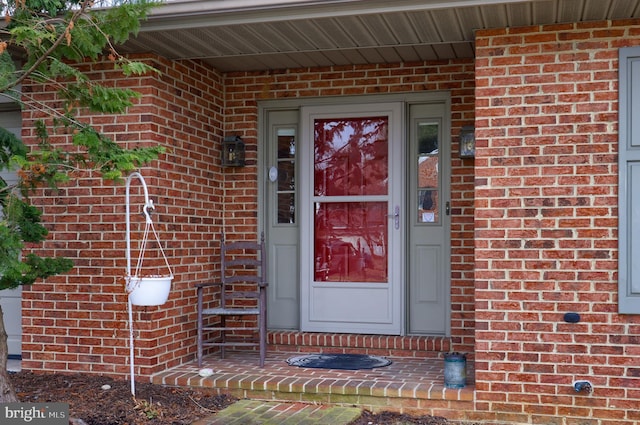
x,y
286,191
428,172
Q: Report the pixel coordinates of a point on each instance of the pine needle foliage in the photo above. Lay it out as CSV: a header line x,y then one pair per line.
x,y
42,40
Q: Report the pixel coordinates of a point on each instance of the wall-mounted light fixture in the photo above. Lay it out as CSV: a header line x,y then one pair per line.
x,y
468,142
233,152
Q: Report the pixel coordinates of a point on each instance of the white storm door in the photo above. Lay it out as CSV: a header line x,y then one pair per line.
x,y
351,219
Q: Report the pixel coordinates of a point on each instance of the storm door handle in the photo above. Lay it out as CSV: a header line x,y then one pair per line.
x,y
396,217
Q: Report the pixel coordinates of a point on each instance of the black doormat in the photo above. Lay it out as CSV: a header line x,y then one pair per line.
x,y
339,361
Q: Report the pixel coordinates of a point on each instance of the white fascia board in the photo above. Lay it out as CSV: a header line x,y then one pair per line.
x,y
175,14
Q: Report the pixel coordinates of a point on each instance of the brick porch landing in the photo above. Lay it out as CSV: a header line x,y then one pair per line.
x,y
409,384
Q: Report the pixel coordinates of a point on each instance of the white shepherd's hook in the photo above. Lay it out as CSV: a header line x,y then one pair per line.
x,y
131,282
148,204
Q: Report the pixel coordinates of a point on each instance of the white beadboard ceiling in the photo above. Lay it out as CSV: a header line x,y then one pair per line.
x,y
251,35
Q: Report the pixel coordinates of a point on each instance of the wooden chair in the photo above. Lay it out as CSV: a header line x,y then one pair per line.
x,y
243,292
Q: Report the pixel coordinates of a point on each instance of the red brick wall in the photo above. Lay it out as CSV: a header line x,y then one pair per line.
x,y
546,227
78,322
245,89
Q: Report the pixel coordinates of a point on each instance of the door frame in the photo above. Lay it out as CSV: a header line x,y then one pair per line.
x,y
441,97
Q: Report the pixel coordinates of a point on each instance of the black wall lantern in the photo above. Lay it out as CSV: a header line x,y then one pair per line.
x,y
468,142
232,152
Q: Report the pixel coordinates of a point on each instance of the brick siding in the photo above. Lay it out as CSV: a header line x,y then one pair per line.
x,y
246,89
78,322
546,227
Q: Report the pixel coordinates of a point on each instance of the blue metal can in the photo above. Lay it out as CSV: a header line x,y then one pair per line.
x,y
455,370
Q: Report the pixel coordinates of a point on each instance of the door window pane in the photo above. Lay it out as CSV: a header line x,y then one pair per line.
x,y
428,172
351,242
286,208
427,201
342,148
286,176
286,191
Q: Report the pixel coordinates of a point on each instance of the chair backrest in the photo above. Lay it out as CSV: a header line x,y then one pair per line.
x,y
243,269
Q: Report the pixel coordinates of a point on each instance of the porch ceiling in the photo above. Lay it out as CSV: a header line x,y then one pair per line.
x,y
247,35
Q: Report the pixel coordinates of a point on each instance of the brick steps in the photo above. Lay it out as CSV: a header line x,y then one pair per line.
x,y
380,345
407,385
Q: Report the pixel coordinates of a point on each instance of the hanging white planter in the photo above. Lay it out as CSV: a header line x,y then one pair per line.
x,y
149,291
